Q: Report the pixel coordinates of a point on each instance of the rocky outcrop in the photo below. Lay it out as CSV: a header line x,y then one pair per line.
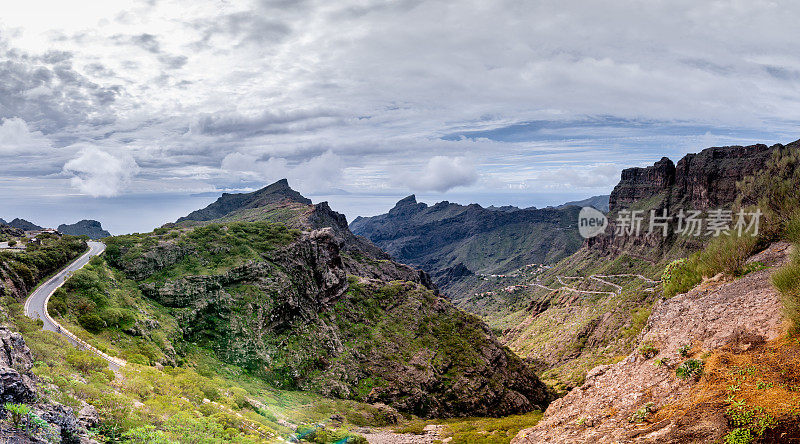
x,y
714,315
698,181
642,183
228,203
18,386
703,181
278,203
91,228
440,237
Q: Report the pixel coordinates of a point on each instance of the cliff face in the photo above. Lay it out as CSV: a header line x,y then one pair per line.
x,y
18,385
703,181
91,228
451,241
700,181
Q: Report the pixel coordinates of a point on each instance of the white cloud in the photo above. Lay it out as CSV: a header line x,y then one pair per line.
x,y
100,174
16,138
312,175
440,174
597,176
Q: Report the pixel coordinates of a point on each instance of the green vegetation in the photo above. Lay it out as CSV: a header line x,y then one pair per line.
x,y
648,350
22,418
690,369
680,276
739,436
787,281
476,430
642,413
107,310
24,270
774,191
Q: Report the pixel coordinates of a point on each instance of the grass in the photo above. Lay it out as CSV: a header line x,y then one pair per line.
x,y
787,281
757,388
476,430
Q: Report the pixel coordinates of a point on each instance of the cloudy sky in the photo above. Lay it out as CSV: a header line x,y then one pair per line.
x,y
135,113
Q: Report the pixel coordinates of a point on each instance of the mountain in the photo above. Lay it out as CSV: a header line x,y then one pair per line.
x,y
703,181
3,222
449,240
23,224
230,203
598,202
278,286
91,228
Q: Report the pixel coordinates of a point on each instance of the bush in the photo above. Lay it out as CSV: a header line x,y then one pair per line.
x,y
648,350
739,436
692,368
91,322
642,414
86,362
726,254
787,281
680,276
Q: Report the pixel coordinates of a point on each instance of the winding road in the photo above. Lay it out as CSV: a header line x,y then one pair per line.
x,y
36,304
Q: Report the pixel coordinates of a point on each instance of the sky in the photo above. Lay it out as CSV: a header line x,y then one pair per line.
x,y
136,112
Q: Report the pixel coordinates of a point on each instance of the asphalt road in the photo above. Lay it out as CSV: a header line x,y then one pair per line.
x,y
36,304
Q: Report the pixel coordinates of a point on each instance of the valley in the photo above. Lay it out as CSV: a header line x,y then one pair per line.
x,y
270,319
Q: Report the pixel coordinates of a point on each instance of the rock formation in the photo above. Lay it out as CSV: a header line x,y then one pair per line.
x,y
447,235
18,386
91,228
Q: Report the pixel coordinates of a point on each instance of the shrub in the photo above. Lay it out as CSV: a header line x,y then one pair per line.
x,y
18,412
692,368
648,350
726,254
641,414
86,362
680,276
684,350
739,436
787,281
774,190
91,322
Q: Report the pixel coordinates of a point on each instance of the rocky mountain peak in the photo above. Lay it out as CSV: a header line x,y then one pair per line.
x,y
230,202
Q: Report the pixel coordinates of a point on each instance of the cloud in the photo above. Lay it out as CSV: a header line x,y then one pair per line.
x,y
315,174
17,138
267,122
440,174
598,176
100,174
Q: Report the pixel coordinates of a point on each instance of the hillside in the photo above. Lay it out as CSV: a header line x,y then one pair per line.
x,y
589,308
452,241
300,309
91,228
23,224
